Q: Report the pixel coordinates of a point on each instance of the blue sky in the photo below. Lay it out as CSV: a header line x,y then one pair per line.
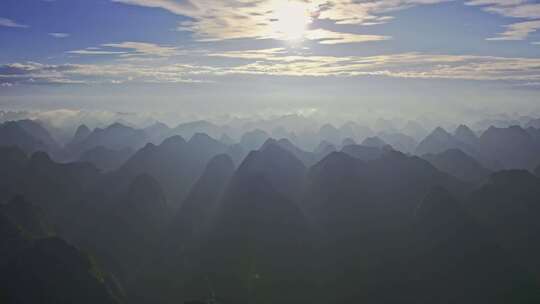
x,y
333,57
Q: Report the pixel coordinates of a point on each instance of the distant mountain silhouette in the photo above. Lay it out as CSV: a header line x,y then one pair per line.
x,y
278,166
13,134
355,131
81,134
105,158
374,142
115,137
513,147
330,134
196,212
56,188
465,135
440,140
258,234
35,129
365,153
457,163
187,130
533,123
362,208
308,158
415,130
269,221
157,132
253,140
323,149
175,163
399,141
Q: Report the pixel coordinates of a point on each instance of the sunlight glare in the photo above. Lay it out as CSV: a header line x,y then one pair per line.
x,y
291,19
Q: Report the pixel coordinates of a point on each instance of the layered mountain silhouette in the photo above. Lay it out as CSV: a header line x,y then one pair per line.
x,y
116,136
106,159
513,147
123,214
457,163
13,134
175,163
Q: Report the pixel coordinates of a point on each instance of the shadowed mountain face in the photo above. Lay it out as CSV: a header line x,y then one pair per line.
x,y
374,142
508,206
36,130
465,135
106,159
198,210
364,153
453,253
277,166
27,217
13,134
80,135
36,268
116,137
52,271
175,164
248,219
440,140
258,235
399,141
456,163
253,140
513,147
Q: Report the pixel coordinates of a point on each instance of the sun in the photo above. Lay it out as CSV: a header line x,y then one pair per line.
x,y
290,20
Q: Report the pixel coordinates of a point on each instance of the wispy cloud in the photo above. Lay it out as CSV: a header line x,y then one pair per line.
x,y
404,65
279,62
10,23
518,31
94,52
129,49
42,74
142,48
59,35
329,37
523,9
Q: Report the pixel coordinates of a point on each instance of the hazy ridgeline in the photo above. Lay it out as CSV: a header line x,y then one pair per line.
x,y
271,211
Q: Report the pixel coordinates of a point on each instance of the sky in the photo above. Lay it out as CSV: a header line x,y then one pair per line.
x,y
333,58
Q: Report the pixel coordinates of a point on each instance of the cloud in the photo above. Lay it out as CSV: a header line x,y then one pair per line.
x,y
180,7
518,31
523,9
59,35
37,73
404,65
129,49
329,37
279,62
142,48
94,52
212,20
10,23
